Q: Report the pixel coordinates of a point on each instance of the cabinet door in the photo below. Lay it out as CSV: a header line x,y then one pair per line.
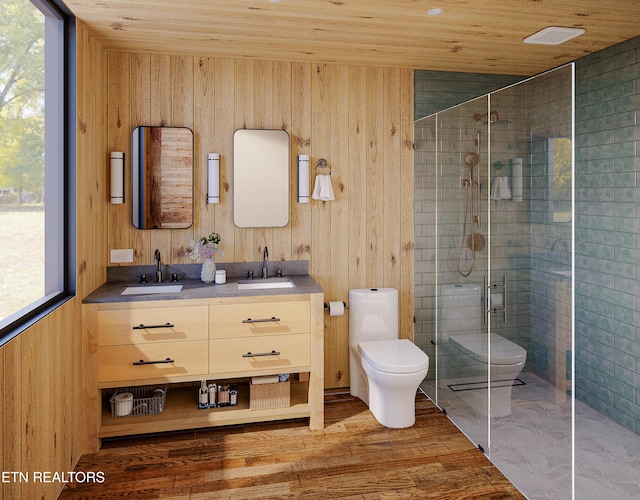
x,y
260,319
270,354
152,361
153,325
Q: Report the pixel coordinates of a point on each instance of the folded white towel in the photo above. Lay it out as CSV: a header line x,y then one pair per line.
x,y
323,189
501,190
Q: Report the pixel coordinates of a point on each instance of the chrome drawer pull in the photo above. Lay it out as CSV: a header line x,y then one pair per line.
x,y
147,327
273,319
143,362
272,353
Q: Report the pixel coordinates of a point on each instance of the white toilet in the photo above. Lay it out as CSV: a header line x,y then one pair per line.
x,y
460,325
385,370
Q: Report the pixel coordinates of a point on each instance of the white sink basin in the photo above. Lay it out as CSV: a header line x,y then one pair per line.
x,y
149,289
265,284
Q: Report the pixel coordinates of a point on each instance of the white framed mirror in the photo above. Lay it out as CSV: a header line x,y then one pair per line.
x,y
261,163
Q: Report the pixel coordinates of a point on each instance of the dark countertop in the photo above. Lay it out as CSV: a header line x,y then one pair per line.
x,y
196,289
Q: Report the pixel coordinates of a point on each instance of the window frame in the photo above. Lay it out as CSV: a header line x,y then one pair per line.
x,y
61,177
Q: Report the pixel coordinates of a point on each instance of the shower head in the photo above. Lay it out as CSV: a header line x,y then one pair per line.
x,y
493,117
472,159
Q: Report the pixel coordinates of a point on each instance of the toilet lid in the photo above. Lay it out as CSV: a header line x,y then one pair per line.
x,y
503,351
394,356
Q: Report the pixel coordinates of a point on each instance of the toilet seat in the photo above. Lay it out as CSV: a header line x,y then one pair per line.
x,y
393,355
503,351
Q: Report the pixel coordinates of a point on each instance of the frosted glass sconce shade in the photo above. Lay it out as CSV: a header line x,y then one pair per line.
x,y
117,177
303,178
213,178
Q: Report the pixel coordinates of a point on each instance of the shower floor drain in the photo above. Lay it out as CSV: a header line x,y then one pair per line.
x,y
473,386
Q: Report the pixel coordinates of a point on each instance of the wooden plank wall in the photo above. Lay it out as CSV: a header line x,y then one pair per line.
x,y
41,397
360,119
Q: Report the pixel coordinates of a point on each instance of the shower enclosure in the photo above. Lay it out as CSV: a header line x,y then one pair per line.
x,y
494,273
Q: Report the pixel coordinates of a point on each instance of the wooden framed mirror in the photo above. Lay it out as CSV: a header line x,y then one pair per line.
x,y
162,170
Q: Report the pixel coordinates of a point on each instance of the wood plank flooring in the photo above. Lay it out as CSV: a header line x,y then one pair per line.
x,y
352,457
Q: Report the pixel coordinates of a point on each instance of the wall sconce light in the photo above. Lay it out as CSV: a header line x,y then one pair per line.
x,y
213,178
117,177
303,178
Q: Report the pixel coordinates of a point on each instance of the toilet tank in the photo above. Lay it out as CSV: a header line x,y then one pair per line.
x,y
459,309
373,314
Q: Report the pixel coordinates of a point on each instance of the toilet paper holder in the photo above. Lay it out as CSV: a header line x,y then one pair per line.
x,y
326,306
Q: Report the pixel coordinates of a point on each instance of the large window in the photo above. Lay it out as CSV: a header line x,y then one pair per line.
x,y
35,157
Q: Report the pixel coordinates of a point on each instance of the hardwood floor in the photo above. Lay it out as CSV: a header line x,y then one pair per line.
x,y
352,457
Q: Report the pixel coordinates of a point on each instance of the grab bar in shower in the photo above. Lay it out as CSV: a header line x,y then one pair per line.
x,y
487,304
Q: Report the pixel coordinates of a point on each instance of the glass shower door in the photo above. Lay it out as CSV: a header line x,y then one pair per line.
x,y
462,263
494,256
531,241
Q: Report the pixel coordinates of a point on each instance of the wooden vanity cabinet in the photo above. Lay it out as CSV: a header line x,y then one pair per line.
x,y
179,342
149,343
260,338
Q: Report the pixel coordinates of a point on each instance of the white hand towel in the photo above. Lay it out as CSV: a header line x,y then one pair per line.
x,y
323,189
501,190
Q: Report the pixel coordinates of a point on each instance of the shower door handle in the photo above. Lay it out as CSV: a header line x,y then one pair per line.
x,y
485,300
478,225
487,304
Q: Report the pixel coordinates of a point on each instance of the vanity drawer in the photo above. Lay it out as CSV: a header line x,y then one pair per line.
x,y
142,326
260,319
291,353
116,363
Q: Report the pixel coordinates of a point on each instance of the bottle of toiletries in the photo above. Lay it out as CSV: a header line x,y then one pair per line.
x,y
233,396
223,394
203,396
213,393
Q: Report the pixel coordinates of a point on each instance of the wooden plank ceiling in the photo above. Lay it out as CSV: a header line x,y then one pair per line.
x,y
470,35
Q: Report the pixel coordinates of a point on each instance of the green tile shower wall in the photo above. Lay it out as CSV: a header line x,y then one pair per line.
x,y
438,90
607,302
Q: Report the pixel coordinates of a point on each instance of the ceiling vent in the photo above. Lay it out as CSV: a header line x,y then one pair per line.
x,y
554,35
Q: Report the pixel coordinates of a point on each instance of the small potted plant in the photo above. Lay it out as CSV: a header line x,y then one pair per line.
x,y
205,250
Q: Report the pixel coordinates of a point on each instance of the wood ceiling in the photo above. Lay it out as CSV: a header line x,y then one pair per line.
x,y
480,36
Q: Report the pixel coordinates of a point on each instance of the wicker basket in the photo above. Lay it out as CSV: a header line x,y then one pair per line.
x,y
265,396
145,401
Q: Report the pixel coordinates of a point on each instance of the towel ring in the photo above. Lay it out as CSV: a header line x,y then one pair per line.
x,y
322,163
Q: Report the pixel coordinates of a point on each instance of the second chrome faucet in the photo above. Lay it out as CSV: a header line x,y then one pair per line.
x,y
157,261
265,263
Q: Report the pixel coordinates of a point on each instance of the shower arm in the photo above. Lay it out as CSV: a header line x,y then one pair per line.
x,y
476,185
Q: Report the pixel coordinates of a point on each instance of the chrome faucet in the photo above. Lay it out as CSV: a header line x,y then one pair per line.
x,y
265,263
157,261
